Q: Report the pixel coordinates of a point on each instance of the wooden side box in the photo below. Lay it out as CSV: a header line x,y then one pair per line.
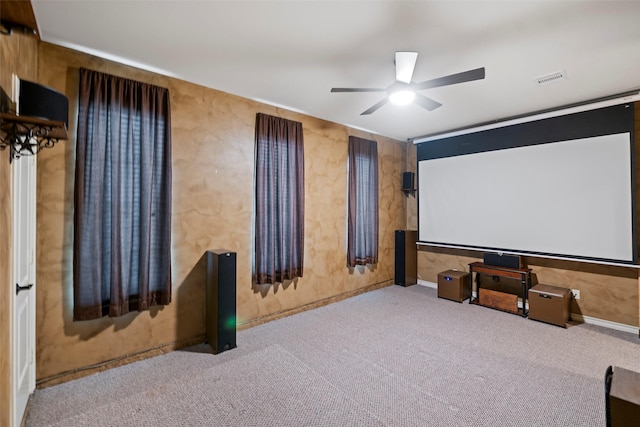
x,y
549,304
453,285
498,300
623,398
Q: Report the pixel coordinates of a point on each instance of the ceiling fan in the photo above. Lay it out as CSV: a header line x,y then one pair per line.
x,y
403,91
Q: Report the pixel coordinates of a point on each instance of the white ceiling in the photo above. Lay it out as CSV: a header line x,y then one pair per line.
x,y
291,53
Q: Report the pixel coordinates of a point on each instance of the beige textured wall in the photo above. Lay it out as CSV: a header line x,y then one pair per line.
x,y
213,153
18,54
606,292
412,200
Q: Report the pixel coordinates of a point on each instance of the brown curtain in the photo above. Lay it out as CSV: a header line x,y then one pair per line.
x,y
362,218
122,220
279,219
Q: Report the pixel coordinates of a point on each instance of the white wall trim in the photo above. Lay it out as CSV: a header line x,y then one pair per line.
x,y
427,284
575,318
579,318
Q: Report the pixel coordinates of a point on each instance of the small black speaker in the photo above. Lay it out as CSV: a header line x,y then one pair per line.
x,y
43,102
221,300
500,260
406,258
408,180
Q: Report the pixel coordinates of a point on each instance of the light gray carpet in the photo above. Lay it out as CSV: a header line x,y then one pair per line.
x,y
246,391
392,357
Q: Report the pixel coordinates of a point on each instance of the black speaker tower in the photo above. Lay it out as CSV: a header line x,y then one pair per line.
x,y
221,300
406,273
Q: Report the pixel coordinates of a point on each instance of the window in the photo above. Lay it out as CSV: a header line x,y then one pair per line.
x,y
122,222
279,219
362,217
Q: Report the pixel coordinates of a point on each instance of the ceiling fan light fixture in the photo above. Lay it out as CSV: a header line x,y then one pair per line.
x,y
404,91
402,97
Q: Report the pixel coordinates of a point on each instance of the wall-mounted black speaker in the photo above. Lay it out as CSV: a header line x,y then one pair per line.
x,y
42,102
221,300
408,180
406,259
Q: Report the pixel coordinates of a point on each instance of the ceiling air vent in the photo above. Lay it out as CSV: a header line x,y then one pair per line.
x,y
550,78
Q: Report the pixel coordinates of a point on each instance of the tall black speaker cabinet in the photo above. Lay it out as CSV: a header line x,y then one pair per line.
x,y
221,300
406,273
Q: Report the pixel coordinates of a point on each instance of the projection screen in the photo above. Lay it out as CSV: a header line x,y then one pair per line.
x,y
561,187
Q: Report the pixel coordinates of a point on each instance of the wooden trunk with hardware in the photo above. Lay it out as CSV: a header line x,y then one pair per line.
x,y
549,304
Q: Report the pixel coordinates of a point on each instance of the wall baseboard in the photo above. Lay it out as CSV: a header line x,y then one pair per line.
x,y
579,318
84,371
427,284
575,318
316,304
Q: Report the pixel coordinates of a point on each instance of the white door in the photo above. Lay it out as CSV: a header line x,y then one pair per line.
x,y
23,174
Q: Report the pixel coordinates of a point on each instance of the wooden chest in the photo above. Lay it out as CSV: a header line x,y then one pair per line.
x,y
622,397
549,304
453,285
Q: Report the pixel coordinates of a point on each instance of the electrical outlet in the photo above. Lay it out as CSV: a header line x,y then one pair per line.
x,y
575,293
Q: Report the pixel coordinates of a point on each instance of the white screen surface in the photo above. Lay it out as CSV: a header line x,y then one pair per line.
x,y
571,198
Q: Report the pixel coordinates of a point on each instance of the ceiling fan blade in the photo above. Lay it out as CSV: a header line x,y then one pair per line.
x,y
405,63
375,107
426,103
465,76
358,89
